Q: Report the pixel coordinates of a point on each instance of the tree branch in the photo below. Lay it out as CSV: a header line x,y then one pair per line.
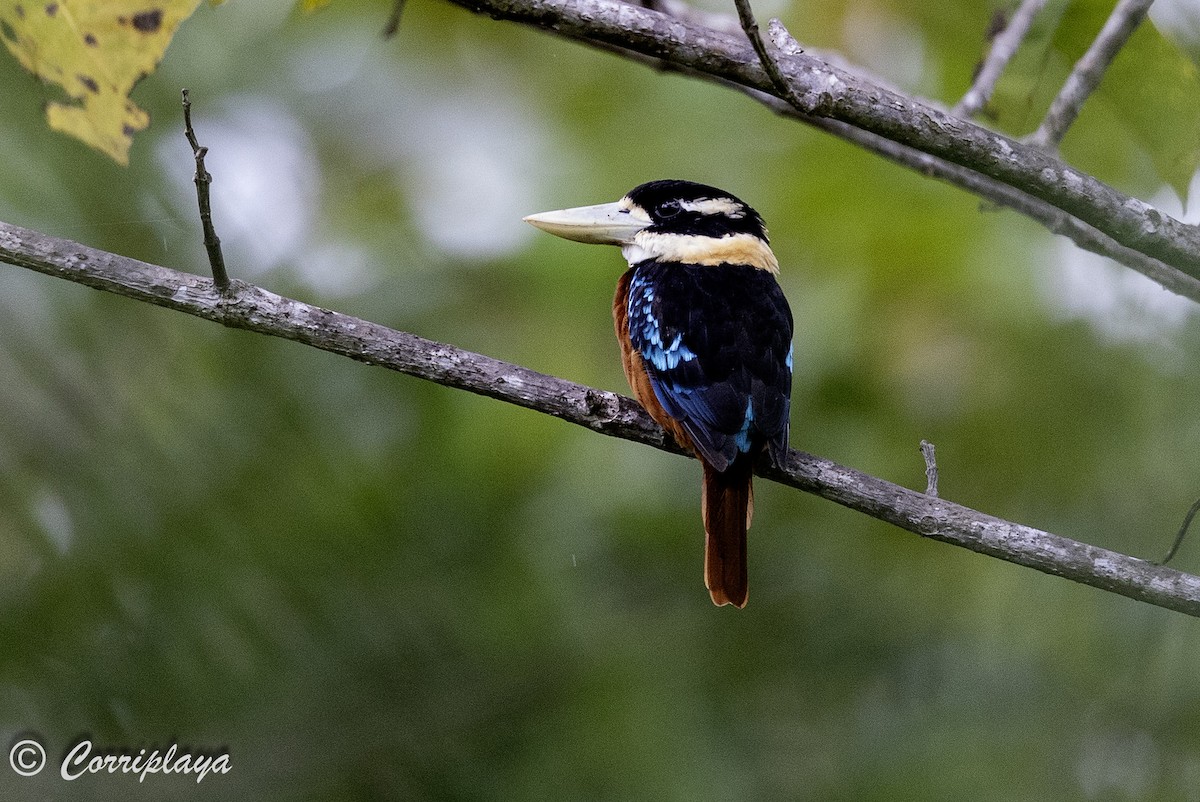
x,y
1088,71
1056,220
252,308
826,91
1004,47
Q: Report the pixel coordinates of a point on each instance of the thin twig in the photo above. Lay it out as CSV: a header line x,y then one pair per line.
x,y
212,243
1187,522
393,21
1004,47
256,309
931,468
768,62
1088,71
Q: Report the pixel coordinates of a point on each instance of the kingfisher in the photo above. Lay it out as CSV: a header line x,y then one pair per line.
x,y
706,342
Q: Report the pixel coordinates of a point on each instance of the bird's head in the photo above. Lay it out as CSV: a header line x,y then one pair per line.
x,y
670,221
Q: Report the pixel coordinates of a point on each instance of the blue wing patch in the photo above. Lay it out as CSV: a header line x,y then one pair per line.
x,y
647,333
707,366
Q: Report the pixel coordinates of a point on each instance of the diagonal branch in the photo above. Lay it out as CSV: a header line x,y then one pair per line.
x,y
1056,220
1088,71
1053,218
1004,47
826,91
252,308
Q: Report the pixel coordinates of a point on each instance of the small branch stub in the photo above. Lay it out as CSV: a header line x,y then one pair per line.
x,y
931,469
212,243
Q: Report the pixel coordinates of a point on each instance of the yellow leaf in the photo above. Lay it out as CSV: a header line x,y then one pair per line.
x,y
310,6
96,50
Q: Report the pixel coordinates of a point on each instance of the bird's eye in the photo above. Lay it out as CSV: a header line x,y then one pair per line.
x,y
669,209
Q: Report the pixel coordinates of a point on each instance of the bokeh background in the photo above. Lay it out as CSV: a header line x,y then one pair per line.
x,y
367,587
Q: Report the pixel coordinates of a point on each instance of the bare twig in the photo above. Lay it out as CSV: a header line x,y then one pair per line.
x,y
931,469
212,243
1004,47
1088,71
750,27
256,309
852,100
393,21
1187,522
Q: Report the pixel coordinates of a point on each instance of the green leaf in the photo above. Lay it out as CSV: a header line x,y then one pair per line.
x,y
1151,91
1155,90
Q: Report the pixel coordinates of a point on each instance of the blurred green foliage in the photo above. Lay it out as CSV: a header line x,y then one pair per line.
x,y
367,587
1150,94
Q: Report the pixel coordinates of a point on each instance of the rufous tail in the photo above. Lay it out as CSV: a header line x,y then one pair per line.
x,y
728,500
